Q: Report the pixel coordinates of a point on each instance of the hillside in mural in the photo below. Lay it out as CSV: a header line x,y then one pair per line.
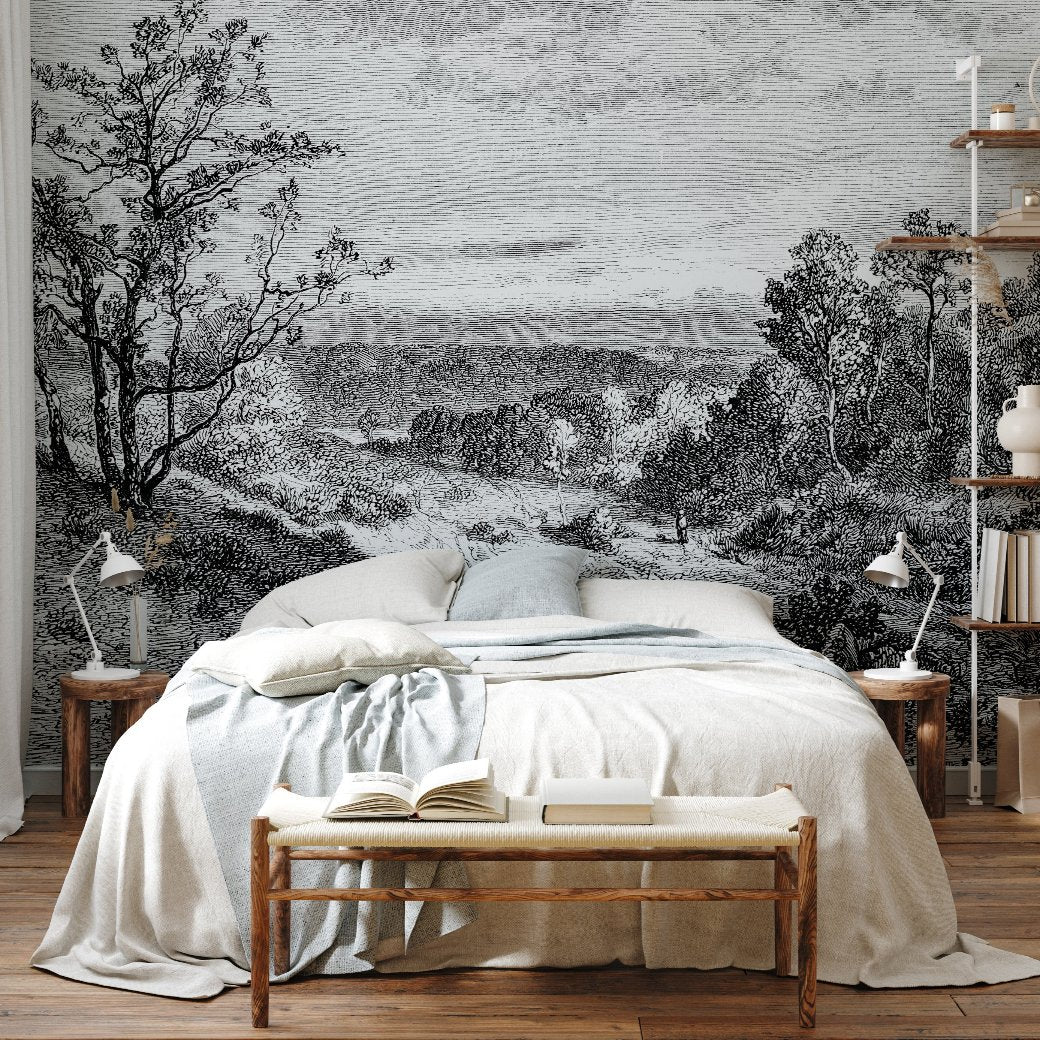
x,y
197,392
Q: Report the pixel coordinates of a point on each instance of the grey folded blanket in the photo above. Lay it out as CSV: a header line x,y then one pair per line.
x,y
622,637
242,744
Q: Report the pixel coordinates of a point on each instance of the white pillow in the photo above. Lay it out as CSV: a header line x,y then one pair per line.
x,y
411,587
714,607
293,662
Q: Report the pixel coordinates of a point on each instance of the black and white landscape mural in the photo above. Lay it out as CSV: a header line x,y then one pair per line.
x,y
321,280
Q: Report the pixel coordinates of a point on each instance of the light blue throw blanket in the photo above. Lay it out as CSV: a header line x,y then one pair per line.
x,y
638,640
242,744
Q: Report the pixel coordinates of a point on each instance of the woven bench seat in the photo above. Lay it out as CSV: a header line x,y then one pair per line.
x,y
679,823
773,828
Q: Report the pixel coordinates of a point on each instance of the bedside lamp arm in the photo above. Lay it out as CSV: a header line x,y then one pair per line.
x,y
917,556
71,582
937,582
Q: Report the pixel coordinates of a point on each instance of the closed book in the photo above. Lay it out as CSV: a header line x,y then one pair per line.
x,y
996,605
597,800
991,574
1011,580
1010,227
978,599
1034,576
1029,570
1023,576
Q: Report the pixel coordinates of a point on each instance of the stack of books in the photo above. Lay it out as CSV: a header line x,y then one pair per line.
x,y
1009,576
1016,222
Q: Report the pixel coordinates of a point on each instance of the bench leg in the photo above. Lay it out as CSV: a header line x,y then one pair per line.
x,y
281,877
260,910
807,922
781,919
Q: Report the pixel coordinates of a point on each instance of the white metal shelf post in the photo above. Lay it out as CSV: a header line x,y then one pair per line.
x,y
968,69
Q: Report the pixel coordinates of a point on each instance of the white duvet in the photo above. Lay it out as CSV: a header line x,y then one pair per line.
x,y
144,905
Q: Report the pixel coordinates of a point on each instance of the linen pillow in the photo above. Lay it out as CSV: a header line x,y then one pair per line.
x,y
317,660
715,607
410,587
536,581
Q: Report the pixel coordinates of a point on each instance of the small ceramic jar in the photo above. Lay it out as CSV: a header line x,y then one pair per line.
x,y
1002,117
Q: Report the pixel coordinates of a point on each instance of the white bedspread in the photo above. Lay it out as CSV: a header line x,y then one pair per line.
x,y
144,905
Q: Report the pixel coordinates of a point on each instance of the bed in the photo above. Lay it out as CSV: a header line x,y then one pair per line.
x,y
145,905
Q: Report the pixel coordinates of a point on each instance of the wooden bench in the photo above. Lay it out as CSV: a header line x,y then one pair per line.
x,y
773,828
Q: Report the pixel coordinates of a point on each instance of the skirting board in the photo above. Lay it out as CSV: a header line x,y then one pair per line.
x,y
47,780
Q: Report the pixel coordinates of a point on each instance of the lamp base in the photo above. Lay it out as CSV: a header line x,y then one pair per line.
x,y
896,674
106,674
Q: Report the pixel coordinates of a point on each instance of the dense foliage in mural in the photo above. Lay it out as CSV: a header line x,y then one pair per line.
x,y
157,146
235,450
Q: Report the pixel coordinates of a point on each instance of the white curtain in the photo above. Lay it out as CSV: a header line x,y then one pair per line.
x,y
17,448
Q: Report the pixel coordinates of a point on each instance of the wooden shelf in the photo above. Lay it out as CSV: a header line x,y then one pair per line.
x,y
996,481
998,139
972,624
936,243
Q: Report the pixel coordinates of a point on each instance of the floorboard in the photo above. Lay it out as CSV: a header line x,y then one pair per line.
x,y
992,855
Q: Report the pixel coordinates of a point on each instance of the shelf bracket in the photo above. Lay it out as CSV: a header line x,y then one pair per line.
x,y
965,65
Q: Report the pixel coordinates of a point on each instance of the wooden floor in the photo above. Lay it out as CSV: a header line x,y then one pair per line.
x,y
993,857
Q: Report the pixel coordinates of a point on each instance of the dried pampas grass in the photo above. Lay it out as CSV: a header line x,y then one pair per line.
x,y
986,275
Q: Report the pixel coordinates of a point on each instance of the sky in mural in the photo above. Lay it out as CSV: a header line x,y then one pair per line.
x,y
605,164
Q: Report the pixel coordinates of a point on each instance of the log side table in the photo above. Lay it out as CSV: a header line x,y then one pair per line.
x,y
889,697
130,699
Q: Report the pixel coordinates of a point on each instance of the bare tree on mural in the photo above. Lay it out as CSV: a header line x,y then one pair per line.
x,y
934,275
165,342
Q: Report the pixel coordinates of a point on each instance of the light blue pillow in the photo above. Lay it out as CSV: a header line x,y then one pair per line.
x,y
532,582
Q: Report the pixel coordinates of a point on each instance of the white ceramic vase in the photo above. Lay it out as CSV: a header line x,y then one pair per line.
x,y
1019,431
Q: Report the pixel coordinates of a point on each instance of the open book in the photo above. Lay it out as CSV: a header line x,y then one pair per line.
x,y
459,791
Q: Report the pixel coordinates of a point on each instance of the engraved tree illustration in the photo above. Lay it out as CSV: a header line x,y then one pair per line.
x,y
819,325
937,278
561,440
152,159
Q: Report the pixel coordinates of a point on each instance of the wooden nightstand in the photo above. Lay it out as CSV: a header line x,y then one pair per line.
x,y
130,699
889,698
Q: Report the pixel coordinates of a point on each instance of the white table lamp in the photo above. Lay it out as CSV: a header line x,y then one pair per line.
x,y
117,570
892,570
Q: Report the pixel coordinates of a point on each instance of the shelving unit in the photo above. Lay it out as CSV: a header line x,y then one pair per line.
x,y
936,243
974,624
997,138
999,481
973,141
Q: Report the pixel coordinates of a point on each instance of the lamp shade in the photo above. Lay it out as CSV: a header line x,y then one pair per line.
x,y
119,569
889,569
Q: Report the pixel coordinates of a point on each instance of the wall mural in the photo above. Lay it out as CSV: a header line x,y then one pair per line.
x,y
321,281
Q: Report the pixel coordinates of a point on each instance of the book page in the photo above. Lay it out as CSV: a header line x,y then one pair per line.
x,y
491,805
356,787
475,771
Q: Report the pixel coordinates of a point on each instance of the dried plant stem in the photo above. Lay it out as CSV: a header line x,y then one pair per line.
x,y
987,277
